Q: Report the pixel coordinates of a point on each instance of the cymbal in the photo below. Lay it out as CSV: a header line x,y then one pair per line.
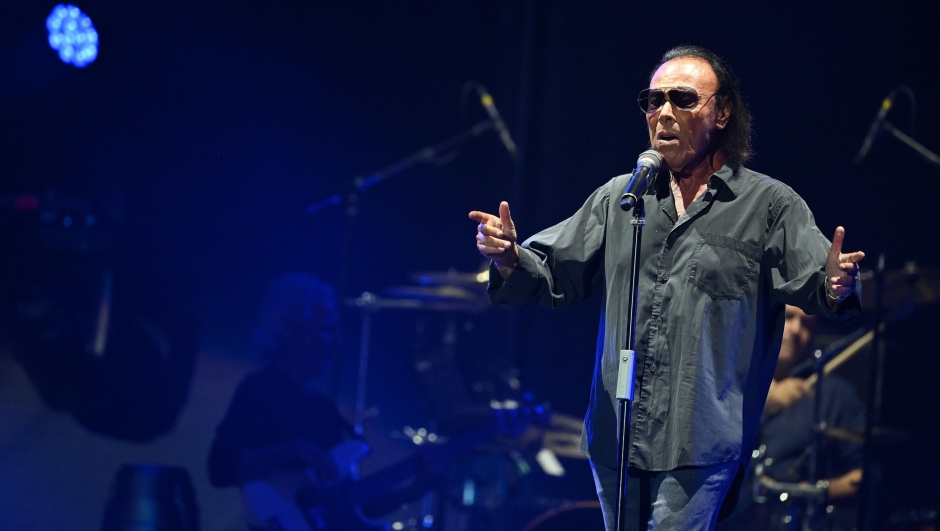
x,y
911,284
569,423
371,301
879,433
563,435
434,293
563,443
451,277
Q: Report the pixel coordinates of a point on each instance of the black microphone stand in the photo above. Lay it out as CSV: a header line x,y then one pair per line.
x,y
625,375
359,185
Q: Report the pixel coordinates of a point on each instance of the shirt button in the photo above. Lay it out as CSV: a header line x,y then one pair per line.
x,y
652,368
663,278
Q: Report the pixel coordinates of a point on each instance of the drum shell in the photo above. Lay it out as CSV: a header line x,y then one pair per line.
x,y
152,498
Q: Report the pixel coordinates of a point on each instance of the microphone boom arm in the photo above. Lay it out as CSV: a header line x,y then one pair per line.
x,y
424,155
917,146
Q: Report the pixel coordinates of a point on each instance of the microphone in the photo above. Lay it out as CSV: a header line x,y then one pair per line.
x,y
647,166
501,128
875,126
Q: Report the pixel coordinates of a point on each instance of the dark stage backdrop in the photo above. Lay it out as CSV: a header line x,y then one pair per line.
x,y
218,122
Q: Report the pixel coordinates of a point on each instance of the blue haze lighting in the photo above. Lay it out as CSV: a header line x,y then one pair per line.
x,y
72,34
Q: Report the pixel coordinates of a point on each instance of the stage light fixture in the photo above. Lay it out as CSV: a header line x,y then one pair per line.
x,y
72,35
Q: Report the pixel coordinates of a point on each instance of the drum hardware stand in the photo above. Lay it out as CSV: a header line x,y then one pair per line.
x,y
814,506
866,506
365,333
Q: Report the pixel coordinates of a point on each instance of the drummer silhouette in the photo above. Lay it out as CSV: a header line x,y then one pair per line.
x,y
786,434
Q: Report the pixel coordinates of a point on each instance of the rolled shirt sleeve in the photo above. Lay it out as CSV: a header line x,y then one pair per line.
x,y
560,265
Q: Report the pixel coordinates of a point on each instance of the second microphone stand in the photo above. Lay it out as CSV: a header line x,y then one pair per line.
x,y
437,152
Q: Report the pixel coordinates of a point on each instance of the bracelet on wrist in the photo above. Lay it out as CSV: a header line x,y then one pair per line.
x,y
832,295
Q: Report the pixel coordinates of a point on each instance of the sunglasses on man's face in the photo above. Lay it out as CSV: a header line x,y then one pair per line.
x,y
685,98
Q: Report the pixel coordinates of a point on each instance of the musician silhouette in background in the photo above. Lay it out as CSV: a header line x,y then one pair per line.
x,y
788,417
275,422
787,427
278,426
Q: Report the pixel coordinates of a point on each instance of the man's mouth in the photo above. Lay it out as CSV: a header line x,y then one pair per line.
x,y
665,138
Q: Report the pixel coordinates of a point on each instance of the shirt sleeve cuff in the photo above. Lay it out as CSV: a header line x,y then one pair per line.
x,y
520,285
845,310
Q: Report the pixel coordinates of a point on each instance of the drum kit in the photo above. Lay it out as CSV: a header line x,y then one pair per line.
x,y
451,294
781,505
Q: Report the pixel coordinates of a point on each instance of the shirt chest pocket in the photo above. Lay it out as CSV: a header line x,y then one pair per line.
x,y
723,267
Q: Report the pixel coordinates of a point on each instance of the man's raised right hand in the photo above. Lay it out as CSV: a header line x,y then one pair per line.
x,y
496,238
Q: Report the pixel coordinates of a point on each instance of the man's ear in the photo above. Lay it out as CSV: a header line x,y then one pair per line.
x,y
724,114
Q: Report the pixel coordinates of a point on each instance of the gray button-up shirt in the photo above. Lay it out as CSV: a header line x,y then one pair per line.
x,y
710,310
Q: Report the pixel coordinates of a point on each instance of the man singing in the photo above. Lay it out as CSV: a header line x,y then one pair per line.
x,y
723,250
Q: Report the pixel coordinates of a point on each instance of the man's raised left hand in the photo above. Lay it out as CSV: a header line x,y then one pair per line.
x,y
841,268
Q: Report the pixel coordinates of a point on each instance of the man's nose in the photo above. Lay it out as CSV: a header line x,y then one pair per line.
x,y
667,110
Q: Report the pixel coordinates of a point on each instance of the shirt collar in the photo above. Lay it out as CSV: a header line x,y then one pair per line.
x,y
729,175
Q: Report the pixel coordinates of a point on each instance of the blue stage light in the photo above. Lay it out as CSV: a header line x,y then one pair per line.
x,y
72,34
